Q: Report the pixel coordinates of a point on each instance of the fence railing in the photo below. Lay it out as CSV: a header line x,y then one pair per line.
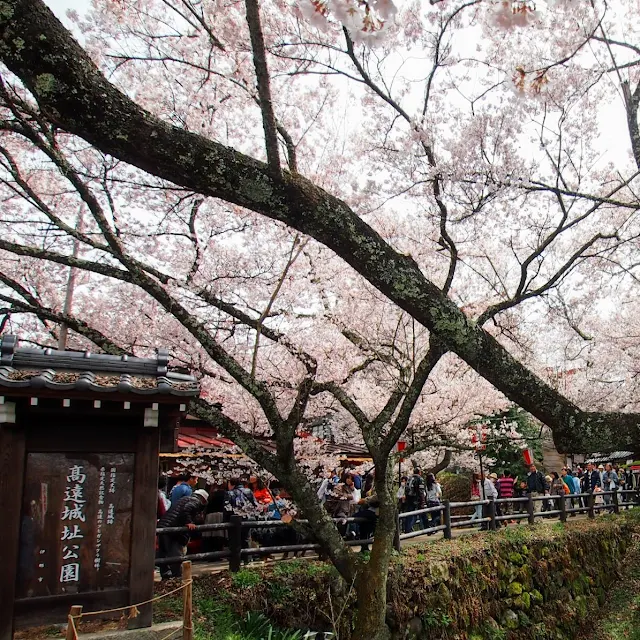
x,y
529,508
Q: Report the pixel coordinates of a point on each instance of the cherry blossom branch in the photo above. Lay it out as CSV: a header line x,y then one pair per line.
x,y
412,394
343,398
264,90
45,313
296,249
523,294
76,96
307,359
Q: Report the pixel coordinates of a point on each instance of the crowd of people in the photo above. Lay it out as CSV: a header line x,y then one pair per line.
x,y
569,482
350,498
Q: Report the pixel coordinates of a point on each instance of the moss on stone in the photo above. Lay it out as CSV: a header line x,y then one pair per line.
x,y
482,587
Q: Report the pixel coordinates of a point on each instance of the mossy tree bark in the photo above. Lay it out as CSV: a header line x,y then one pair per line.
x,y
371,581
78,98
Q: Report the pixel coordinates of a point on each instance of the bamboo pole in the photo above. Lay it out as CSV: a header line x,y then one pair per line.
x,y
76,610
187,611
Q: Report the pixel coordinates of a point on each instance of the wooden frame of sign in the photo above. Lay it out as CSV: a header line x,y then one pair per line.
x,y
93,433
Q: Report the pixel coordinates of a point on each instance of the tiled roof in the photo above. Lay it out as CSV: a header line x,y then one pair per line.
x,y
348,450
614,455
201,438
39,369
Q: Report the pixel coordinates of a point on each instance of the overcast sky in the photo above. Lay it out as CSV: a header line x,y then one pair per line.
x,y
60,7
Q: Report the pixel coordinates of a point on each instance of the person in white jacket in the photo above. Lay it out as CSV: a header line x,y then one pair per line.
x,y
490,493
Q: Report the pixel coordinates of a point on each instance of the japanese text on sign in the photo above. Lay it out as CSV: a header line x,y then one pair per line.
x,y
72,512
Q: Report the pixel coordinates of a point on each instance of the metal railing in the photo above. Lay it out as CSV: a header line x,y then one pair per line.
x,y
492,516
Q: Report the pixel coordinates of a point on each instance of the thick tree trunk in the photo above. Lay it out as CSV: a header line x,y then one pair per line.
x,y
371,582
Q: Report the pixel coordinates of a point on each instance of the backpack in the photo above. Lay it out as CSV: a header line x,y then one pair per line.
x,y
237,498
414,487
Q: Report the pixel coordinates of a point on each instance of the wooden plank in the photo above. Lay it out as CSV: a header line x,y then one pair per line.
x,y
12,460
88,434
75,611
145,504
187,601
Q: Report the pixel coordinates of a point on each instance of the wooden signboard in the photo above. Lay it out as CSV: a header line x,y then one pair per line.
x,y
75,530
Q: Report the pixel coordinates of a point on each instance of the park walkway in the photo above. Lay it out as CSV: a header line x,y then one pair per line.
x,y
524,509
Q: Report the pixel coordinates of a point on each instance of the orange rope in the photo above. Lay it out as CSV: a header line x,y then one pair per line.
x,y
134,607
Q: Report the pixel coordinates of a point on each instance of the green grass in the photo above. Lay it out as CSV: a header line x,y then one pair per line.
x,y
619,619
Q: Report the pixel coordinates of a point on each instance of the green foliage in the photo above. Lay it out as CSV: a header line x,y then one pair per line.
x,y
436,619
516,534
216,621
279,592
256,626
492,631
455,486
507,452
246,579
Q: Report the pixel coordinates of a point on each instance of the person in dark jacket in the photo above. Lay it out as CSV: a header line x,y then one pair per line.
x,y
592,478
182,514
416,498
239,500
536,486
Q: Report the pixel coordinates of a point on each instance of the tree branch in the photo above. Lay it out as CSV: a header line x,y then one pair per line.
x,y
76,96
264,89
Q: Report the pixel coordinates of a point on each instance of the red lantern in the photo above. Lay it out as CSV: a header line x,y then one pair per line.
x,y
401,445
479,438
527,454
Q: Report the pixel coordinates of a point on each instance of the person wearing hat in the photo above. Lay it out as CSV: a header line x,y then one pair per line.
x,y
172,545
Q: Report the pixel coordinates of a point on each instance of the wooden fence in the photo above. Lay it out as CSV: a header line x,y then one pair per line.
x,y
563,507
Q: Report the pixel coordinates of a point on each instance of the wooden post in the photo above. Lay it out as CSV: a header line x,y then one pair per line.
x,y
12,463
591,501
235,544
562,501
396,537
76,610
187,599
143,532
616,502
447,520
531,510
492,514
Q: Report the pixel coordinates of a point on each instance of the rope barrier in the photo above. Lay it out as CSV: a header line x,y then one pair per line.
x,y
131,607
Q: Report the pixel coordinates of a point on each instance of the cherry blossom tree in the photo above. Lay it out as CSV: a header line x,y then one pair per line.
x,y
313,224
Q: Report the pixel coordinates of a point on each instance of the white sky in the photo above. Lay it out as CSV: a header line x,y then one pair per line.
x,y
60,7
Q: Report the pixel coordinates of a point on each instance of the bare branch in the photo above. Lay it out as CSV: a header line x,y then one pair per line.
x,y
264,89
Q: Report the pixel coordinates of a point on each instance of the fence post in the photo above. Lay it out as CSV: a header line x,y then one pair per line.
x,y
531,509
492,514
235,543
616,502
562,502
187,602
76,610
591,501
447,520
396,537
